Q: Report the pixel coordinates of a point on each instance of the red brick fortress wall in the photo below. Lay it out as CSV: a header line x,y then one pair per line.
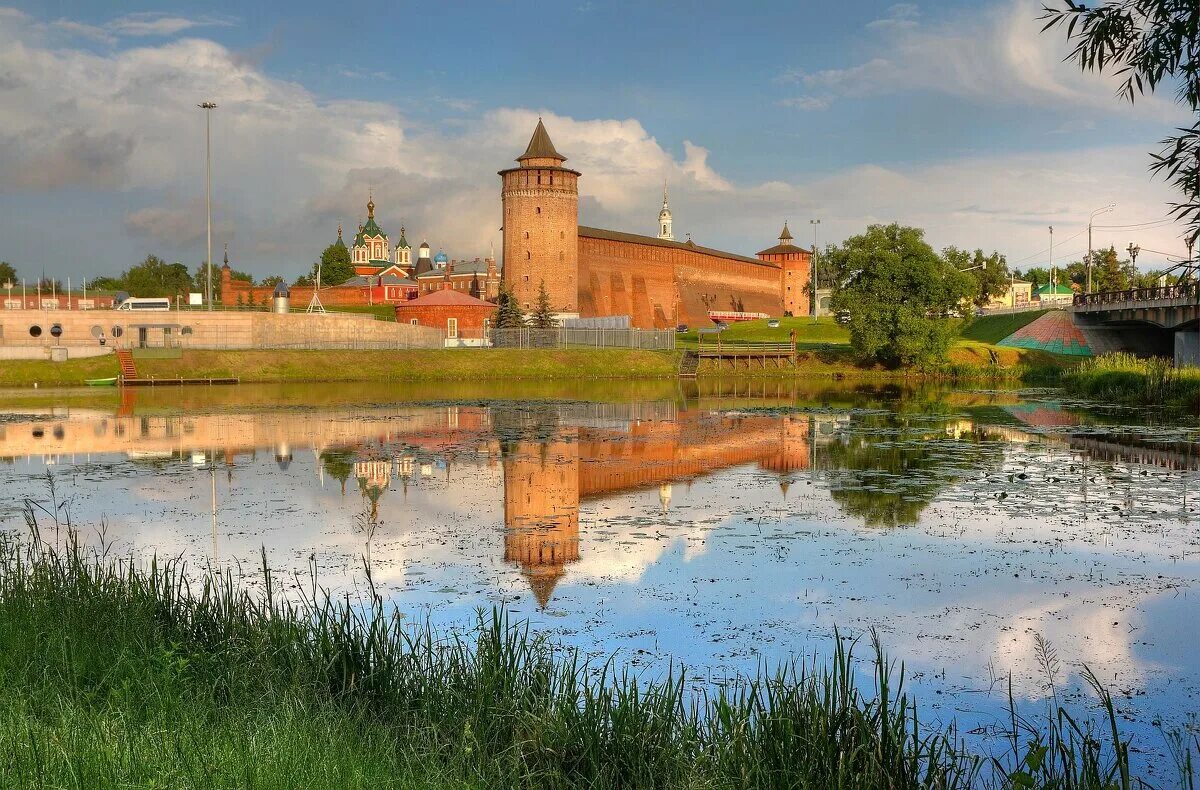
x,y
660,286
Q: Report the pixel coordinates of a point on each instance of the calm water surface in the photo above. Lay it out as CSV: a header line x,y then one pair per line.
x,y
721,527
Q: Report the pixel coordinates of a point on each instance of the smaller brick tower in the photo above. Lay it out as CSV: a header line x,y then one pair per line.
x,y
541,226
795,265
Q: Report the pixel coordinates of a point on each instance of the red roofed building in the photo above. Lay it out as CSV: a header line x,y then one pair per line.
x,y
463,318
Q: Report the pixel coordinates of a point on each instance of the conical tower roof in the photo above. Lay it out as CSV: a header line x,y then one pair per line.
x,y
540,146
785,235
542,582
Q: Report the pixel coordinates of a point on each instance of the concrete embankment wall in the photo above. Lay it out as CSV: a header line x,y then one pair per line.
x,y
33,334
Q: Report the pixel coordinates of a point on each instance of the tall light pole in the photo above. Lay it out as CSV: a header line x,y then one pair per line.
x,y
1095,214
812,264
208,107
1052,284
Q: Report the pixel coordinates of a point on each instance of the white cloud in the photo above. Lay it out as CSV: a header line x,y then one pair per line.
x,y
994,55
900,15
137,25
806,102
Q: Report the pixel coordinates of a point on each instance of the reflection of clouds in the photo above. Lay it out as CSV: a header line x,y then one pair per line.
x,y
1093,635
622,535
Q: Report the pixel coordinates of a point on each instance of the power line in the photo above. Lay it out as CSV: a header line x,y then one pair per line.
x,y
1156,222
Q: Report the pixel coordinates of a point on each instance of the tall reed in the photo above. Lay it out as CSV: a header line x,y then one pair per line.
x,y
1124,378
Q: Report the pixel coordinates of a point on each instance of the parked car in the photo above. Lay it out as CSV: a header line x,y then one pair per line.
x,y
773,323
842,317
681,328
722,326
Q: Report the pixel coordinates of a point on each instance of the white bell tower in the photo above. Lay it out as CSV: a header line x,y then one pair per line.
x,y
664,219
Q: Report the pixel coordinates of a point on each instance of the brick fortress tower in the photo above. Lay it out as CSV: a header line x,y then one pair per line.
x,y
541,226
795,265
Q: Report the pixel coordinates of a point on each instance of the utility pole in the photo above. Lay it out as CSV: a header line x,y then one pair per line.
x,y
208,107
1097,212
1052,283
812,264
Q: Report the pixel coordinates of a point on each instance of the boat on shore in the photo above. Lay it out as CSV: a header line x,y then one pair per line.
x,y
109,382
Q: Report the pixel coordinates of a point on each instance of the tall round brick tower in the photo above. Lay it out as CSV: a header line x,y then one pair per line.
x,y
541,226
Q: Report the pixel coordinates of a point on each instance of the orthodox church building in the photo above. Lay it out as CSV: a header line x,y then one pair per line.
x,y
377,264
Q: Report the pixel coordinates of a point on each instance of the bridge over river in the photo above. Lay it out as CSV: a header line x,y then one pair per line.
x,y
1160,321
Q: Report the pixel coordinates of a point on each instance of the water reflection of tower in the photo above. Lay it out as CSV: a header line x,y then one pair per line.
x,y
541,510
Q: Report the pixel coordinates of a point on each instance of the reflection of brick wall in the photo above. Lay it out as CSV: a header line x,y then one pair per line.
x,y
662,286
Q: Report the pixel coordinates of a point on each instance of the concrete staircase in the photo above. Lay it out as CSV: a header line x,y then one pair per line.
x,y
689,364
125,360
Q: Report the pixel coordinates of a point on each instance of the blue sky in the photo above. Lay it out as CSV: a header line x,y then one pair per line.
x,y
954,116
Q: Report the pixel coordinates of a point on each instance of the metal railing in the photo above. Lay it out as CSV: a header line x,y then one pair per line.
x,y
647,339
1180,291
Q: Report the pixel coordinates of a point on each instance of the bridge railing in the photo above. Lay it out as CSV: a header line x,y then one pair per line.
x,y
1180,291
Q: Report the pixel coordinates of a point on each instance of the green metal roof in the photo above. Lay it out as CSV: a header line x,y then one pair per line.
x,y
1057,289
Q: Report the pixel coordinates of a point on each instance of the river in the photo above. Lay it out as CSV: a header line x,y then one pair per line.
x,y
719,525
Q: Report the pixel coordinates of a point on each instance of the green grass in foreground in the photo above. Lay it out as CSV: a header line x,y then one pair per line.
x,y
994,328
115,676
1123,378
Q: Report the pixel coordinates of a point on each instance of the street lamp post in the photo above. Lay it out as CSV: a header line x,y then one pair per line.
x,y
815,223
208,107
1052,284
1096,213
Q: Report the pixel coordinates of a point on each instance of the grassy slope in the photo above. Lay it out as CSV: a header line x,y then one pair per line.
x,y
994,328
809,333
416,365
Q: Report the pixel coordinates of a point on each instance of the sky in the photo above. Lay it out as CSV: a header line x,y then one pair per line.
x,y
956,117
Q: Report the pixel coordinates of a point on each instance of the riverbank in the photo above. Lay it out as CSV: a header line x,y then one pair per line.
x,y
115,675
967,361
353,366
1123,378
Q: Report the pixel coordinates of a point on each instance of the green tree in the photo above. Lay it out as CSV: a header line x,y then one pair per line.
x,y
989,273
903,299
1038,275
543,314
1146,43
1109,273
336,267
106,283
272,280
509,314
8,273
156,277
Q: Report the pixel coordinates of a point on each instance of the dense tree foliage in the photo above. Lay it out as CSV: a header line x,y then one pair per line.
x,y
8,273
1146,43
509,314
989,273
543,315
335,265
904,301
156,277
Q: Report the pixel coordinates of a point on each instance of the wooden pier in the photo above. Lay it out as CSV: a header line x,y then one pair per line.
x,y
761,355
178,382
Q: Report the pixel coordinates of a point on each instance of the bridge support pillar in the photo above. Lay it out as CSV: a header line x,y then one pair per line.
x,y
1187,348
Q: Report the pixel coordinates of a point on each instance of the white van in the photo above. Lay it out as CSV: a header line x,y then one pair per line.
x,y
157,304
